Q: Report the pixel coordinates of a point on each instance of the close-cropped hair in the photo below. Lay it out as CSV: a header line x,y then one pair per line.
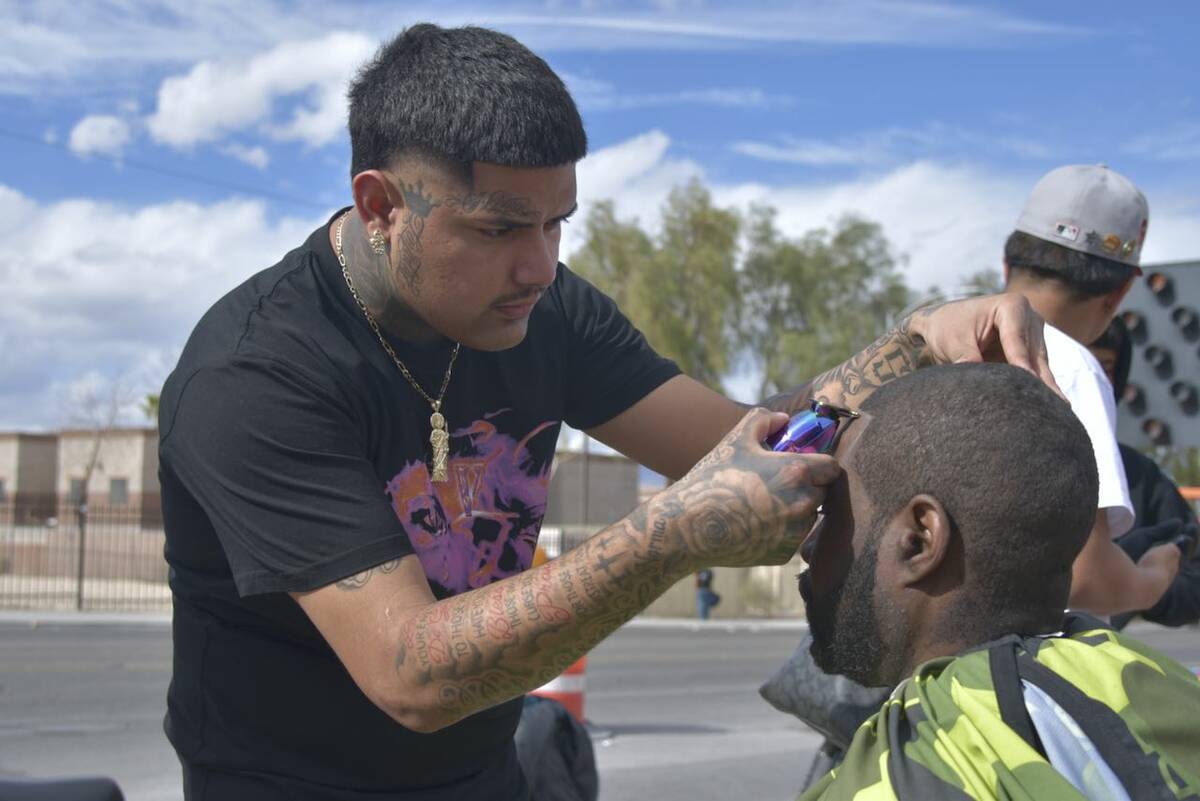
x,y
1011,464
457,96
1083,275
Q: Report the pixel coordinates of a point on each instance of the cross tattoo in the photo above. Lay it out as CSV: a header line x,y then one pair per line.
x,y
605,563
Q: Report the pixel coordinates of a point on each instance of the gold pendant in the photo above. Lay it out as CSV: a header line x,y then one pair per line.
x,y
439,441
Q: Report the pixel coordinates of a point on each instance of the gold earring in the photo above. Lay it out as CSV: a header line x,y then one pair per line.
x,y
378,243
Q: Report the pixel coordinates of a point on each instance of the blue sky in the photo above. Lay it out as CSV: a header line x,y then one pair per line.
x,y
156,153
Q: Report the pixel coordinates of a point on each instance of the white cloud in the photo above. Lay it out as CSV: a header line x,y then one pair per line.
x,y
725,25
101,135
598,95
949,219
53,46
1177,143
256,156
811,152
894,145
216,98
94,287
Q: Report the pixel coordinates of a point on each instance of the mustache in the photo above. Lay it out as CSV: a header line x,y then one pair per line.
x,y
520,297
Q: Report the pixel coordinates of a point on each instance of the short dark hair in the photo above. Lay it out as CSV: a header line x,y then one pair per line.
x,y
1012,466
1085,276
460,95
1118,339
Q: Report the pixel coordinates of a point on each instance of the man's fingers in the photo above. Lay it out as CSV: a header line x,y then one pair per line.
x,y
805,471
760,423
1016,335
1043,371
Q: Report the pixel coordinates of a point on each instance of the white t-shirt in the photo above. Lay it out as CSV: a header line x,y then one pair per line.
x,y
1083,381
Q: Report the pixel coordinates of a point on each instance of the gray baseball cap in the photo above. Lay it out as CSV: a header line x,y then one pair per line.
x,y
1088,208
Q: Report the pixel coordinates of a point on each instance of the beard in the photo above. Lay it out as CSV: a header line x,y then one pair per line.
x,y
847,635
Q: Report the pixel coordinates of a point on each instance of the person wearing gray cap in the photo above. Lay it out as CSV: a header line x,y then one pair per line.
x,y
1074,255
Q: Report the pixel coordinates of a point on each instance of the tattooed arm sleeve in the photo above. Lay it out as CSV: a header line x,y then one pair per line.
x,y
896,353
430,663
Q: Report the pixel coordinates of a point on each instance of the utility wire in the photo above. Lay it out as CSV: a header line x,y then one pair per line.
x,y
182,175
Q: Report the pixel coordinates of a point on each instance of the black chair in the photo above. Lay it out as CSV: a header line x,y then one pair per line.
x,y
85,789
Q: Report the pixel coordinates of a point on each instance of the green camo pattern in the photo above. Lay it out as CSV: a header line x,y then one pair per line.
x,y
946,720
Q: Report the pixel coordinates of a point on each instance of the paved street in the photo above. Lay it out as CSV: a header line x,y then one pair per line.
x,y
682,706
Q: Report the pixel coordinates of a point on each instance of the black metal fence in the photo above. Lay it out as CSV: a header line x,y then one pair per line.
x,y
68,556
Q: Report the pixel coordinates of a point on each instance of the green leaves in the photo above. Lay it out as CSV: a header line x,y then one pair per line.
x,y
716,290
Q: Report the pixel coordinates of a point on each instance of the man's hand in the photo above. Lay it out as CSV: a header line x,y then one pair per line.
x,y
993,328
1136,542
1161,562
743,504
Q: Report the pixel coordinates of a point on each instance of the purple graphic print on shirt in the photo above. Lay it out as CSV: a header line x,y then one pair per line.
x,y
482,524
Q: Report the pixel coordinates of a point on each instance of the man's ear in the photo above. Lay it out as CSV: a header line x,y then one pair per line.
x,y
1007,273
1112,300
375,200
924,539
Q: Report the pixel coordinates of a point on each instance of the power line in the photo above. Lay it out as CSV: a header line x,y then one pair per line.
x,y
182,175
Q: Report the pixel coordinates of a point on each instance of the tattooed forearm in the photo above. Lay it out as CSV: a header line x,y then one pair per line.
x,y
488,645
895,354
359,580
740,506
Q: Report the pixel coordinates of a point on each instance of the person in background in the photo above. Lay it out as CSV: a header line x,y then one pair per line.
x,y
1161,514
706,597
1073,255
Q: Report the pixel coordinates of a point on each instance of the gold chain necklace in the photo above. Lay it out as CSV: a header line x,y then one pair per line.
x,y
439,437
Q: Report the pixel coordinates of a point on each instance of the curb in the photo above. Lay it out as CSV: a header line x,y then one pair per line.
x,y
33,619
728,624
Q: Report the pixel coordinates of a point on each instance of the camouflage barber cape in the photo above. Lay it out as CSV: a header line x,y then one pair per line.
x,y
962,728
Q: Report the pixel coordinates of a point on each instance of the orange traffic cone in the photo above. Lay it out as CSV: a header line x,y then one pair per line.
x,y
568,688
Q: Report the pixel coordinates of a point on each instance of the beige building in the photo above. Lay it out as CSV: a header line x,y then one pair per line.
x,y
28,466
607,484
125,475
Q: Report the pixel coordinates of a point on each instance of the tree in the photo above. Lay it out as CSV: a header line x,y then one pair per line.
x,y
713,286
615,257
813,302
984,282
150,407
680,288
694,282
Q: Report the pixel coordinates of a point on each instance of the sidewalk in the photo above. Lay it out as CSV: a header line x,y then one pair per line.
x,y
71,618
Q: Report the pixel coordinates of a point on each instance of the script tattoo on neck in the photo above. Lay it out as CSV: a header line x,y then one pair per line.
x,y
374,277
419,204
897,353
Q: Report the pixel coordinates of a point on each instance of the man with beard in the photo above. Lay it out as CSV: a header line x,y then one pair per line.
x,y
944,554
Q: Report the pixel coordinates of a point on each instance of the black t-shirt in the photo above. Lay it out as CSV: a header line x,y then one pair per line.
x,y
1156,499
293,453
